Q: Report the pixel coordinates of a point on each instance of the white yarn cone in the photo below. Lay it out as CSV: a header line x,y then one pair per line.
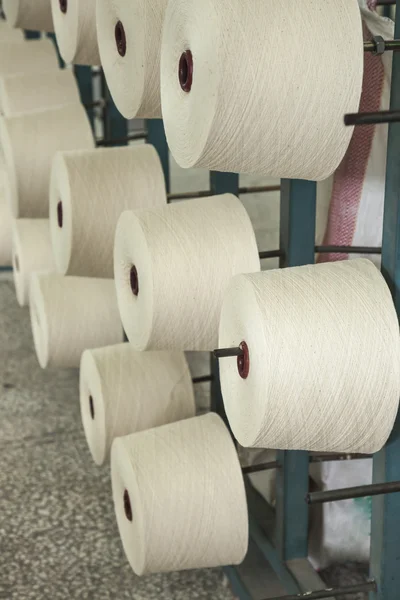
x,y
180,258
70,315
88,192
30,142
323,358
267,84
5,218
179,497
38,91
7,34
29,14
123,392
31,252
30,57
129,35
75,27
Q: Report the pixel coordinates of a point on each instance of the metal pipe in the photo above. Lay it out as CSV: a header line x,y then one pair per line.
x,y
203,379
368,586
348,250
317,458
378,45
270,254
129,138
361,491
227,352
261,467
206,193
374,118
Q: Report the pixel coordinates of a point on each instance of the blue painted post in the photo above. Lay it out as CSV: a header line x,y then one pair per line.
x,y
83,76
297,241
116,126
156,137
385,526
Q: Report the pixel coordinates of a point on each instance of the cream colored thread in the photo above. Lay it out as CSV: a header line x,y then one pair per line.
x,y
29,92
76,31
31,252
188,471
131,391
33,56
324,358
29,14
271,83
95,187
74,314
30,142
185,255
133,79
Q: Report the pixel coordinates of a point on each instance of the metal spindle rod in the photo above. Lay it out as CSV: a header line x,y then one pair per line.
x,y
129,138
375,118
331,457
227,352
378,45
348,250
261,467
361,491
206,193
368,586
203,379
270,254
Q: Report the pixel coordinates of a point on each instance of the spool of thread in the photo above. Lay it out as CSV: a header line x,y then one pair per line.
x,y
75,27
30,57
29,14
30,141
123,392
38,91
172,265
5,218
7,34
321,368
190,472
260,86
129,36
31,252
70,315
109,180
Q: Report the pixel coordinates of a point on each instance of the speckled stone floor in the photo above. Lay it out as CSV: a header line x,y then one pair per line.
x,y
58,535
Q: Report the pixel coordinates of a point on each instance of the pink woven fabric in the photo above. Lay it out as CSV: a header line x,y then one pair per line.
x,y
372,4
350,175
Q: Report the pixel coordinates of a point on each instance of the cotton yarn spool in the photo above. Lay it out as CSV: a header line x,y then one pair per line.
x,y
38,91
75,27
30,57
7,34
29,14
179,497
259,86
123,392
31,252
129,36
70,315
30,141
321,369
172,265
88,192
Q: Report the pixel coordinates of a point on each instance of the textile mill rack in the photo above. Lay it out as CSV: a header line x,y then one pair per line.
x,y
281,533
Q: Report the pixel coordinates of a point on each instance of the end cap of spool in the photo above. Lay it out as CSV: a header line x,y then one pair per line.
x,y
185,71
60,214
134,278
243,361
120,38
63,5
128,506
